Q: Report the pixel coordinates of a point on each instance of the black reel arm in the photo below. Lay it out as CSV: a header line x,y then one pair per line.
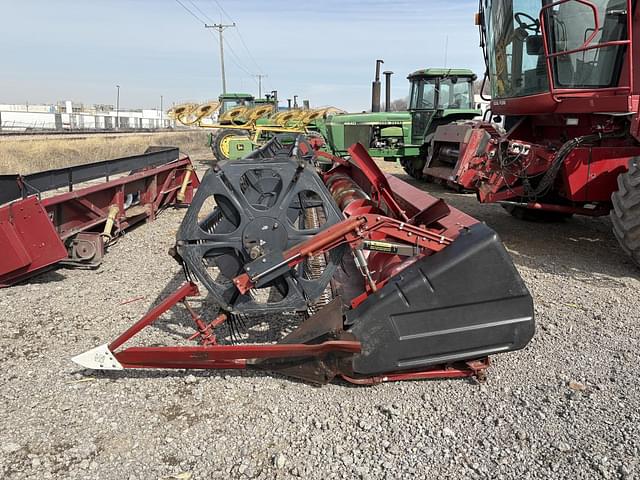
x,y
262,206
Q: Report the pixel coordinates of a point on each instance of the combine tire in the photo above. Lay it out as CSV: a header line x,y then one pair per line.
x,y
625,215
532,215
220,143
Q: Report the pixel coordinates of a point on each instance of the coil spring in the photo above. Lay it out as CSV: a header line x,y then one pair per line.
x,y
316,264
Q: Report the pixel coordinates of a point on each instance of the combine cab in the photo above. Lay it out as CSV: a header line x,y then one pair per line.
x,y
565,77
394,284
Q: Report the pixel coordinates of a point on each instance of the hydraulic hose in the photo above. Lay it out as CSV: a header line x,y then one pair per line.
x,y
550,175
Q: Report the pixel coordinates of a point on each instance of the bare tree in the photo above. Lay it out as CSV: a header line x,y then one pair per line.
x,y
477,85
398,105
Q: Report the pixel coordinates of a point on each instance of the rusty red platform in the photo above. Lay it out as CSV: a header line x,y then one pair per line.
x,y
74,227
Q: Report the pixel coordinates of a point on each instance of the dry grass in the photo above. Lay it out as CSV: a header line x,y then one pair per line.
x,y
28,154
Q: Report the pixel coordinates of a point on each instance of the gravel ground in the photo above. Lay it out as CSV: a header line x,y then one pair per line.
x,y
565,407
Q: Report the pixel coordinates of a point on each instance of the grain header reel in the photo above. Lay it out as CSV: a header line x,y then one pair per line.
x,y
390,283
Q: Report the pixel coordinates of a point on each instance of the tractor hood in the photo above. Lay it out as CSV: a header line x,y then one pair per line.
x,y
373,118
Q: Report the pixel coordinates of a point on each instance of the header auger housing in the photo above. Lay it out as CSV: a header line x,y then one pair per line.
x,y
395,284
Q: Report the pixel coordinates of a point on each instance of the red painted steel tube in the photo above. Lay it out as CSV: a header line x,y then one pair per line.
x,y
398,377
205,364
218,356
471,368
295,255
550,207
187,290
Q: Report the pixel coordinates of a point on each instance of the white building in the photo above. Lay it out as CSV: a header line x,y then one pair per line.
x,y
73,116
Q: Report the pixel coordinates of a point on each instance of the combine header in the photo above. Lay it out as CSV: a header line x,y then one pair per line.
x,y
41,226
394,284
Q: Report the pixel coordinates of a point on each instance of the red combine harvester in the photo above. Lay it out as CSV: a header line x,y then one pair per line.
x,y
396,284
566,77
41,228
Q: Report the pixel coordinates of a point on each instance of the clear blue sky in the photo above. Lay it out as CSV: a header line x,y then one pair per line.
x,y
323,50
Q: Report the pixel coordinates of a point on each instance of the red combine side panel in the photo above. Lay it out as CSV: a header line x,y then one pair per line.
x,y
74,227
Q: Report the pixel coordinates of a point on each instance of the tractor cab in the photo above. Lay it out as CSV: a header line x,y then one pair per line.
x,y
232,100
437,94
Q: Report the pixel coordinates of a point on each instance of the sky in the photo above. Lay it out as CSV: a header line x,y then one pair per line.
x,y
323,50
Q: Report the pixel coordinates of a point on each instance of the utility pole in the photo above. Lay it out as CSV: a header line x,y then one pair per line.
x,y
446,50
260,77
161,99
220,27
118,108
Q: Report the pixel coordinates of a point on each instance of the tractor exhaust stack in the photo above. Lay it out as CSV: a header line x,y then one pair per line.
x,y
375,89
387,90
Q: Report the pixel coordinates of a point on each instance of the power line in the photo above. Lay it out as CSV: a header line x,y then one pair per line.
x,y
200,10
234,56
248,50
223,10
190,12
244,44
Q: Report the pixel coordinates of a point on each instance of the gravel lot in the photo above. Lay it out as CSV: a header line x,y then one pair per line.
x,y
565,407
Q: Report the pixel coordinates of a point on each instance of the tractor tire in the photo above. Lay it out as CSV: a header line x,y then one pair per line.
x,y
625,215
414,165
220,145
409,165
532,215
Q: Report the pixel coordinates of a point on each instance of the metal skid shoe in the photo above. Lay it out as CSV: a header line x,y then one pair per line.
x,y
397,285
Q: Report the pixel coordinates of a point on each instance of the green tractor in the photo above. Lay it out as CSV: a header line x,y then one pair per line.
x,y
437,96
227,141
229,101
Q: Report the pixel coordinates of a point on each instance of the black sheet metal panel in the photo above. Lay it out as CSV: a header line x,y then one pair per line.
x,y
465,302
9,188
64,177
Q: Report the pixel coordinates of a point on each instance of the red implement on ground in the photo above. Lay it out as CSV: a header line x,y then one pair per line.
x,y
40,228
396,284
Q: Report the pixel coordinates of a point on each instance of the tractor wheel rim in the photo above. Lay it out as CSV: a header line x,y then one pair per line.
x,y
225,145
